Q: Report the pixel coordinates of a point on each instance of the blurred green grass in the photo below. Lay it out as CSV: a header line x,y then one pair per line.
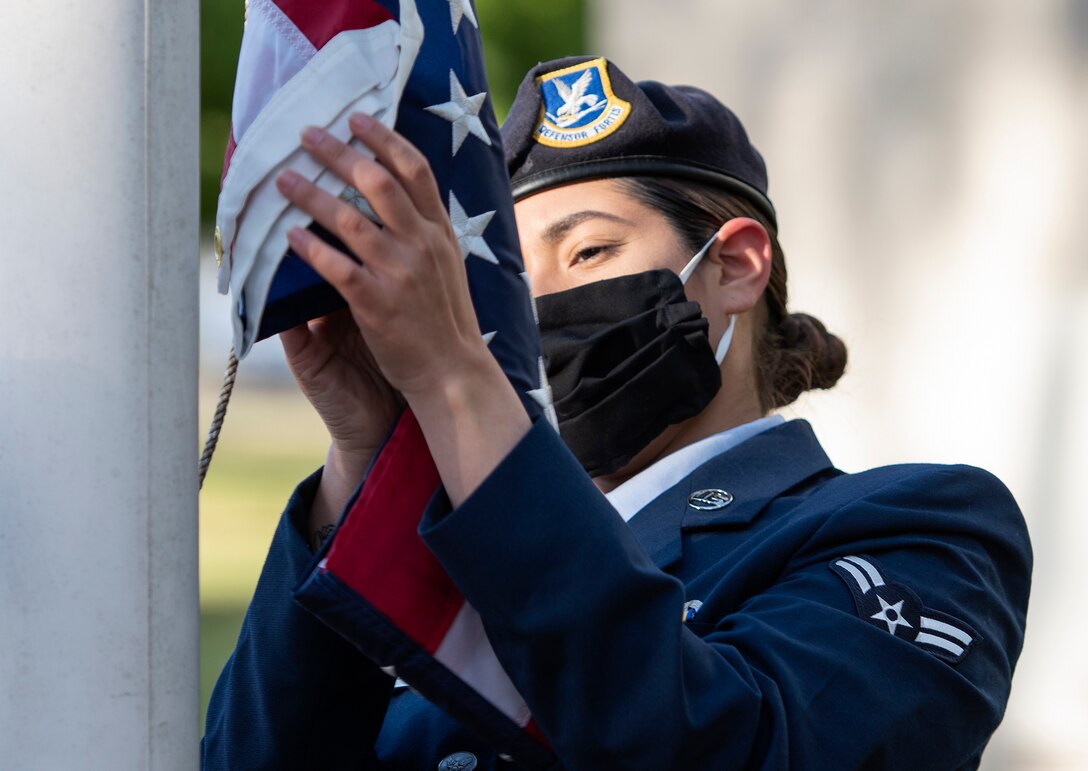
x,y
270,442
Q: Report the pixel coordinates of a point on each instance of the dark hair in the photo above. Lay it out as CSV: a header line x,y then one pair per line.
x,y
795,352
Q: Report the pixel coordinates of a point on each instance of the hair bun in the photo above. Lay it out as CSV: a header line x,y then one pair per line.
x,y
811,357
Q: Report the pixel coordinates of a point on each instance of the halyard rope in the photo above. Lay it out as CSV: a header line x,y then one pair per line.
x,y
217,419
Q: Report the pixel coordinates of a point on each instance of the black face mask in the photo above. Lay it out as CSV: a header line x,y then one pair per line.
x,y
626,357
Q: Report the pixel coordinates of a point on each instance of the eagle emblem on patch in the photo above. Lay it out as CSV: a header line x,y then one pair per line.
x,y
898,611
578,106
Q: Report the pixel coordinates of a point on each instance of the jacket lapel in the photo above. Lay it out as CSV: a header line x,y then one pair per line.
x,y
754,472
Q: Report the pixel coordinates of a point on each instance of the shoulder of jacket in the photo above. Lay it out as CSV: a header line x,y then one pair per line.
x,y
951,479
922,497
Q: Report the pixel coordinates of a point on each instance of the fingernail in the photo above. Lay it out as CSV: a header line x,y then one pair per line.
x,y
312,136
360,121
287,180
297,237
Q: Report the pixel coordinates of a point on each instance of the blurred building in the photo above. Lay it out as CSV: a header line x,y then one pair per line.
x,y
928,163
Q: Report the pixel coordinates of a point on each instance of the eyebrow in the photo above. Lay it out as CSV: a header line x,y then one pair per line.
x,y
558,229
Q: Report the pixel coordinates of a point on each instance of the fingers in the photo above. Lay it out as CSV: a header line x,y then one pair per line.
x,y
295,340
354,281
312,343
361,235
382,190
407,164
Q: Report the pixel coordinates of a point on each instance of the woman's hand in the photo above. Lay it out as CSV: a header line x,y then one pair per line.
x,y
408,294
337,373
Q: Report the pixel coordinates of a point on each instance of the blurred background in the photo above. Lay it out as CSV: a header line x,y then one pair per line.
x,y
928,165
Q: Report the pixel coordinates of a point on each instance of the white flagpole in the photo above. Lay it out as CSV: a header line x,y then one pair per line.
x,y
98,362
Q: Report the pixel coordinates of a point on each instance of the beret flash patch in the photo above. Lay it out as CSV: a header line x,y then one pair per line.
x,y
578,105
898,611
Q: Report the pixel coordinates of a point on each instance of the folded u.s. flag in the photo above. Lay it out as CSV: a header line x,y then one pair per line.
x,y
416,65
300,63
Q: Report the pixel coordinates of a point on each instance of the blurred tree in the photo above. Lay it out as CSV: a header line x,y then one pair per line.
x,y
520,33
220,38
517,34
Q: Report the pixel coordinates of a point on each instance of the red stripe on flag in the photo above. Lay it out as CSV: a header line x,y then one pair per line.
x,y
378,552
231,147
321,22
533,730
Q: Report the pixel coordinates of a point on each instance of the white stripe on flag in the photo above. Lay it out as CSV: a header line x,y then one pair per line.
x,y
355,71
468,653
861,580
361,70
874,574
273,52
353,66
939,642
948,629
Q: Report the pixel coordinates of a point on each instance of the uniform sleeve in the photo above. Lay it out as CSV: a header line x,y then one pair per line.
x,y
782,671
293,694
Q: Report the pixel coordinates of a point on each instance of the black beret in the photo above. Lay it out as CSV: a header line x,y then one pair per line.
x,y
581,118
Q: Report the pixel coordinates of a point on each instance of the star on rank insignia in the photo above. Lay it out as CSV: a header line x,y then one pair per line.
x,y
897,610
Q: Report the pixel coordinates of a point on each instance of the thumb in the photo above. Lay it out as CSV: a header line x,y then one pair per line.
x,y
300,346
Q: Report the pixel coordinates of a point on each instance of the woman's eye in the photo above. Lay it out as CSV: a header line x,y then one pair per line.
x,y
587,253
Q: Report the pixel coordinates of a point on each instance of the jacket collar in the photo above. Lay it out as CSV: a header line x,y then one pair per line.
x,y
754,472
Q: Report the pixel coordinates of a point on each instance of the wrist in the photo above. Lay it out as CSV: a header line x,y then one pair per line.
x,y
445,374
349,463
462,388
471,419
343,472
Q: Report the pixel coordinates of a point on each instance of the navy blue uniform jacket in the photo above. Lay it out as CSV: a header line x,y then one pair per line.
x,y
797,657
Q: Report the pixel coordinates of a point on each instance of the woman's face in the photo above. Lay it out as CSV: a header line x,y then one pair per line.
x,y
588,231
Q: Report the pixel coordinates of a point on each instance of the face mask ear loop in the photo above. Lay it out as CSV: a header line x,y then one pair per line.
x,y
727,339
685,274
693,263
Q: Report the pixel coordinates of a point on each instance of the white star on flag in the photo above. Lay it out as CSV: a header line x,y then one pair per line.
x,y
463,111
459,8
470,231
532,300
489,336
543,395
892,615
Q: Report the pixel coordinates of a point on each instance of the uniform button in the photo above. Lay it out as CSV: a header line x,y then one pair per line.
x,y
458,761
710,500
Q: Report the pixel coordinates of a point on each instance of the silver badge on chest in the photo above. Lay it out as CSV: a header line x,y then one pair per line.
x,y
710,500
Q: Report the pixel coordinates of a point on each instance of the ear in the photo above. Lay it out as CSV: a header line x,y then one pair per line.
x,y
741,256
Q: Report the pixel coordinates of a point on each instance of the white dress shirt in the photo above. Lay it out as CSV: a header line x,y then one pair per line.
x,y
629,498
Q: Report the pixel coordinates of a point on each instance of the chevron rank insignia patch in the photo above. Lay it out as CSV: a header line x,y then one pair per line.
x,y
898,611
